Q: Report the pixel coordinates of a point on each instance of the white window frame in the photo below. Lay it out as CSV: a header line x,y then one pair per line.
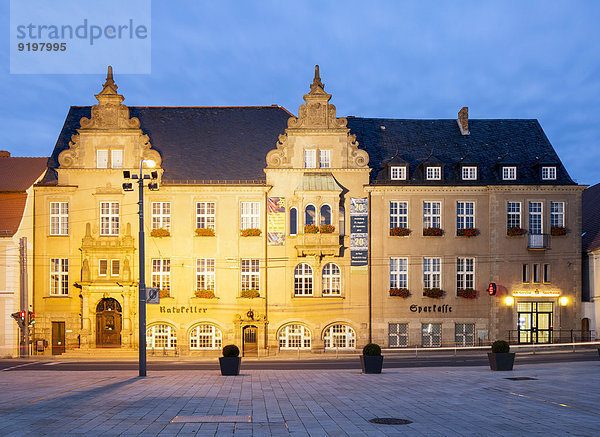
x,y
205,215
115,267
161,273
557,214
205,274
398,214
549,173
469,173
465,214
102,158
433,173
59,276
432,272
103,267
465,273
250,215
310,158
205,337
109,218
303,280
398,337
324,158
511,213
429,338
509,173
432,214
398,272
398,172
534,215
161,215
331,280
339,336
250,274
116,158
59,218
162,331
295,336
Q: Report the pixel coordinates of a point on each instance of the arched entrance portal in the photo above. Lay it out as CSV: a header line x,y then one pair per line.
x,y
250,342
108,323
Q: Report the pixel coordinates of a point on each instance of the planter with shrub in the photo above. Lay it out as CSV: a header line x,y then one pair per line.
x,y
467,232
205,232
371,359
435,293
251,232
401,292
515,231
399,232
467,293
160,233
500,357
433,232
230,361
327,229
558,231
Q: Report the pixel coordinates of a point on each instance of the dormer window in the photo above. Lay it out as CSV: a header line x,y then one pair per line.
x,y
102,158
469,173
116,158
398,173
433,173
548,173
310,158
509,173
324,158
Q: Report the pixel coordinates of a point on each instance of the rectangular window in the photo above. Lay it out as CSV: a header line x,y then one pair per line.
x,y
205,274
469,173
513,214
431,334
525,273
161,274
205,215
432,272
102,158
465,215
432,215
161,215
464,334
250,274
310,158
398,272
115,267
535,218
324,158
59,218
109,218
546,273
250,215
398,173
398,214
102,267
59,276
465,273
548,173
536,273
434,173
509,173
116,158
557,214
398,334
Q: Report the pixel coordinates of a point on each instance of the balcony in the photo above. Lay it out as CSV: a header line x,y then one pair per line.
x,y
538,242
318,244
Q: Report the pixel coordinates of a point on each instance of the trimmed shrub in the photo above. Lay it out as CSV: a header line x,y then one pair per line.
x,y
372,349
500,347
231,350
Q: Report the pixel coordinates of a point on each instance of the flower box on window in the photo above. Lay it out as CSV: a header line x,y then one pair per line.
x,y
433,232
399,232
205,232
557,231
401,292
467,232
205,294
467,293
251,232
160,233
327,229
436,293
311,229
164,293
250,294
515,231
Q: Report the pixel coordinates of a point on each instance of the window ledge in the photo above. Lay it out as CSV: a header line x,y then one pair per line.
x,y
60,296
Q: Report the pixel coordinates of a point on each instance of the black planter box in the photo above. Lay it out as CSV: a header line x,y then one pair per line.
x,y
230,366
499,361
371,363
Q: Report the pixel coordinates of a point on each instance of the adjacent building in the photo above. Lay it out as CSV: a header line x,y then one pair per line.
x,y
591,260
304,233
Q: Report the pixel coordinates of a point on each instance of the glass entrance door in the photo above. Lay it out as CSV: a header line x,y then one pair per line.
x,y
535,322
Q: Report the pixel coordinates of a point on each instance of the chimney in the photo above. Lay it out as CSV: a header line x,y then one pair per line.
x,y
4,154
463,121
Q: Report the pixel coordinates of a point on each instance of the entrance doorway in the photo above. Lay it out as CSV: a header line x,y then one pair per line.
x,y
108,323
58,338
535,322
250,343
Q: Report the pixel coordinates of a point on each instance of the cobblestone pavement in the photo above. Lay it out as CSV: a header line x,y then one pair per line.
x,y
564,399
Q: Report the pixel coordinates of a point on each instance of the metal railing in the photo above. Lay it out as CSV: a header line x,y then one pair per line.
x,y
538,241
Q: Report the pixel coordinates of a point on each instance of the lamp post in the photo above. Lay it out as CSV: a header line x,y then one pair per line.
x,y
128,186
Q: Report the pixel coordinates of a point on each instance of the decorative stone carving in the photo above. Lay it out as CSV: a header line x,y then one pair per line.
x,y
85,271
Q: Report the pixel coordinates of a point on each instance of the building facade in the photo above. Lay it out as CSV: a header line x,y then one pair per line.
x,y
310,233
591,260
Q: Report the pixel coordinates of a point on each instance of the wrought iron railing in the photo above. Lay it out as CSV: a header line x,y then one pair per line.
x,y
516,336
538,241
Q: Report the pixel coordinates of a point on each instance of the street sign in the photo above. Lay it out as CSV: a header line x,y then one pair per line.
x,y
152,295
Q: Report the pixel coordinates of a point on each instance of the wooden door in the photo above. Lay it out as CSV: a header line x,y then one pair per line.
x,y
250,345
58,338
108,329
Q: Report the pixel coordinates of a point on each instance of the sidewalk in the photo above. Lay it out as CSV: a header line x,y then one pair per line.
x,y
563,399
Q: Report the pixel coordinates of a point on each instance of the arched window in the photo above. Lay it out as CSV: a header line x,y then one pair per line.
x,y
206,337
161,337
342,224
340,337
294,337
310,215
325,218
293,221
303,280
332,280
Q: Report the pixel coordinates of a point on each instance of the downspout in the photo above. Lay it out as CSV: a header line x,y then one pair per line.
x,y
266,239
369,266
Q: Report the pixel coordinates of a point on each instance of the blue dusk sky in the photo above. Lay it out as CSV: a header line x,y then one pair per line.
x,y
393,59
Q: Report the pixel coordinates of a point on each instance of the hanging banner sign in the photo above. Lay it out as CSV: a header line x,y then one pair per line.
x,y
359,232
276,221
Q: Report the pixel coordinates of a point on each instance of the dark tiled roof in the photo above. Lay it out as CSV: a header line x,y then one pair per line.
x,y
591,218
18,174
490,141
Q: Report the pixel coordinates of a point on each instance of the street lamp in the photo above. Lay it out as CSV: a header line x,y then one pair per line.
x,y
128,186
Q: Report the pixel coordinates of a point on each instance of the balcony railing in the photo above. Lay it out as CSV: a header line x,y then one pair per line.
x,y
538,242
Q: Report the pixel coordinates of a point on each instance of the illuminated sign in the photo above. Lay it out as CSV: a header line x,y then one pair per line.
x,y
536,293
